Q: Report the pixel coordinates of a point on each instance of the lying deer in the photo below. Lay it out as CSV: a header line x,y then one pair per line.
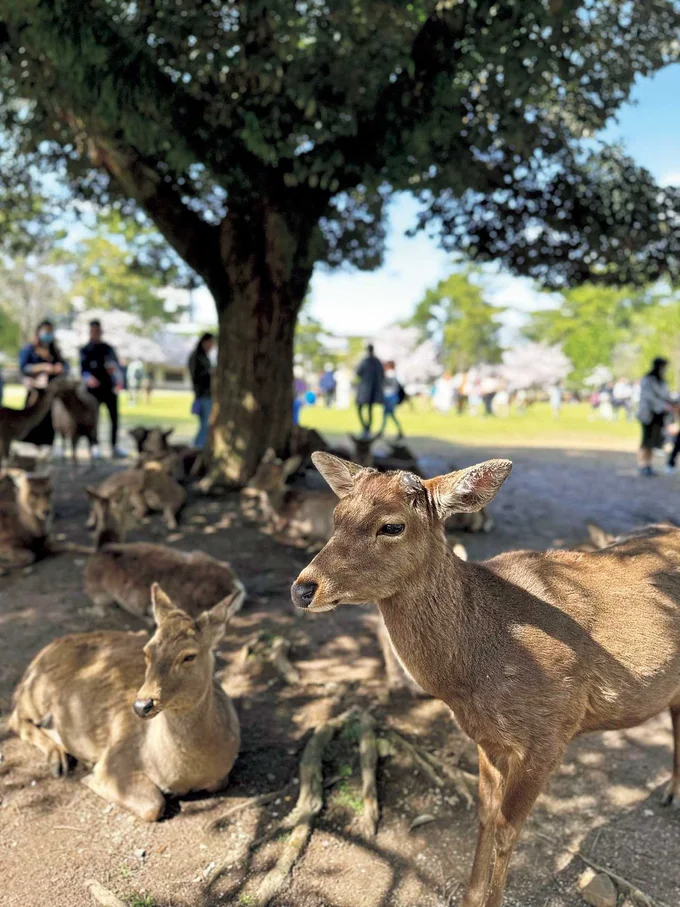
x,y
90,696
149,488
529,649
180,461
299,514
15,424
122,574
25,517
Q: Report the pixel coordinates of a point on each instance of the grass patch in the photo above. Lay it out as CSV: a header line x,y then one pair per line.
x,y
346,797
142,900
246,899
576,427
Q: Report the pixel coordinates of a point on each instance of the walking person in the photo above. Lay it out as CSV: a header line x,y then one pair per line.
x,y
328,385
555,394
655,402
40,362
370,390
393,394
200,368
101,373
135,378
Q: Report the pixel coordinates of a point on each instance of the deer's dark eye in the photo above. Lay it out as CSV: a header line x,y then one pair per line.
x,y
188,658
392,529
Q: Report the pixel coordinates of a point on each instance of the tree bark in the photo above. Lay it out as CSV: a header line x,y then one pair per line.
x,y
267,257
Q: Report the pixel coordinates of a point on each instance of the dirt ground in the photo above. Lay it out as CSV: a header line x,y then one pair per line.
x,y
605,800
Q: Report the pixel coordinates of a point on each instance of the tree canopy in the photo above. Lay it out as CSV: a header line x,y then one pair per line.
x,y
620,328
462,323
479,108
262,137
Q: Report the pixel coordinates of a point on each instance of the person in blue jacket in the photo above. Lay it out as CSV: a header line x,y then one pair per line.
x,y
40,362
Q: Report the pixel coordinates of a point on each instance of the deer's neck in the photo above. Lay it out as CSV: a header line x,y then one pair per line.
x,y
438,626
194,730
34,414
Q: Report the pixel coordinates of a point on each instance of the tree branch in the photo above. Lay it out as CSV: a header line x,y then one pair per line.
x,y
190,236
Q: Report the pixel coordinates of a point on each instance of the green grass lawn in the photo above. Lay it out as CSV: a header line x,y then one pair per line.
x,y
575,427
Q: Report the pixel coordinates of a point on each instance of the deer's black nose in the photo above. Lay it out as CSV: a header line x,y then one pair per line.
x,y
303,594
143,707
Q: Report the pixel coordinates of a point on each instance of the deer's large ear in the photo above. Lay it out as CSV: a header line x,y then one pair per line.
x,y
166,434
161,604
467,490
339,474
213,623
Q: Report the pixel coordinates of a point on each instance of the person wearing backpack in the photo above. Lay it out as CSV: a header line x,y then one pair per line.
x,y
393,395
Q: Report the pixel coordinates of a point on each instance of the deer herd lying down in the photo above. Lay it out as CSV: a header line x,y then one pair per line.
x,y
528,649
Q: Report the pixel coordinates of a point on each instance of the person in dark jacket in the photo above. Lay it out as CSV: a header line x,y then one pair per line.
x,y
41,362
102,374
200,368
370,390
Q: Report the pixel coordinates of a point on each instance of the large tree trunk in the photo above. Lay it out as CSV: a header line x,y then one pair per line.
x,y
267,260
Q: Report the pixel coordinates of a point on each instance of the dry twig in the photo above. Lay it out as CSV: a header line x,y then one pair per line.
x,y
102,895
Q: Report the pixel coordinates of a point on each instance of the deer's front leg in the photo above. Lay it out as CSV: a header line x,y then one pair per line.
x,y
134,791
491,787
525,781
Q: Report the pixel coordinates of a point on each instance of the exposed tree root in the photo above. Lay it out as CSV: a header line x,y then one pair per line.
x,y
308,806
264,648
310,799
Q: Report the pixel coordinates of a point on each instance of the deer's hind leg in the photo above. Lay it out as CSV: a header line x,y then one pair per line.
x,y
133,790
672,794
47,742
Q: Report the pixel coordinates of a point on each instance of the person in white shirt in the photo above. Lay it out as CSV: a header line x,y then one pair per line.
x,y
655,403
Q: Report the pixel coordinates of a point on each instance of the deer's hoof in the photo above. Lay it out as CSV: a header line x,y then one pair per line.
x,y
58,762
671,796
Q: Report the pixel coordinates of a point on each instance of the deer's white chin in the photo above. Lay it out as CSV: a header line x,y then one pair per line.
x,y
326,606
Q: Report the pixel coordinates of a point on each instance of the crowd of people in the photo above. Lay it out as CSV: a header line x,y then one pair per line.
x,y
376,386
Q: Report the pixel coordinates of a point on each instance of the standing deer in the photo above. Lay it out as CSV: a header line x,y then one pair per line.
x,y
303,515
528,649
93,696
15,424
75,415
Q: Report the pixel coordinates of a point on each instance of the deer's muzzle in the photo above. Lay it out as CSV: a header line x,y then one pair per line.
x,y
303,594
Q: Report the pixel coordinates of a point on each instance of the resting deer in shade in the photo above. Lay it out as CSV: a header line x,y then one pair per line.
x,y
118,573
528,649
148,715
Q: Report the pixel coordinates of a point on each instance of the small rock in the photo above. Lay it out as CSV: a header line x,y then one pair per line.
x,y
598,890
140,853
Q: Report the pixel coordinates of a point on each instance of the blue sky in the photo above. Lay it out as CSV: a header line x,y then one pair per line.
x,y
347,301
351,302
